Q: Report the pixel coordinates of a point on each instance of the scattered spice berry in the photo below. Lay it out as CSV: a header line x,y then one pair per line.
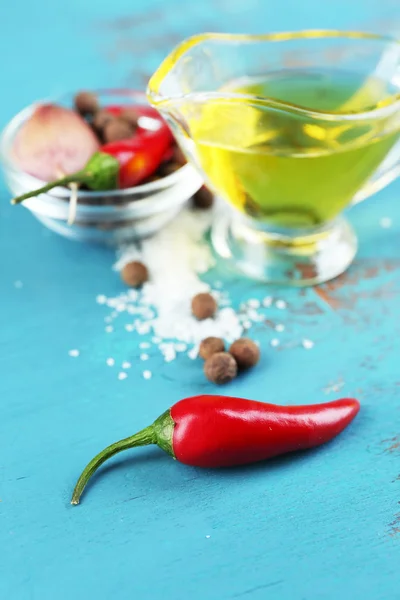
x,y
204,306
168,168
117,129
203,198
220,368
86,103
135,274
131,116
210,346
217,431
101,118
178,157
245,352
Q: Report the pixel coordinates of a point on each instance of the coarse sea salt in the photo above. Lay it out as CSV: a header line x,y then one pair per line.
x,y
176,258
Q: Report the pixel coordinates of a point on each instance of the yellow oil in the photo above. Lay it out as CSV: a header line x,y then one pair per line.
x,y
288,167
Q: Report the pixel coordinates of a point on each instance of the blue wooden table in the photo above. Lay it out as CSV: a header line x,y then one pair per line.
x,y
320,526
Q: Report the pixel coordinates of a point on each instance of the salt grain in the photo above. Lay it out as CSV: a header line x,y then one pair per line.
x,y
267,301
193,353
254,303
385,222
147,374
144,356
169,353
129,327
126,364
280,327
208,537
109,329
110,362
280,304
252,315
122,375
101,299
180,347
275,342
143,328
74,353
307,344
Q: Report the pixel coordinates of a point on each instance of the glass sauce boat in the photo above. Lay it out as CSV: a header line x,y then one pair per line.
x,y
289,129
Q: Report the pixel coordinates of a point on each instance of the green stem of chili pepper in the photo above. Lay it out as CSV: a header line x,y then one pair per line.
x,y
159,433
100,173
142,438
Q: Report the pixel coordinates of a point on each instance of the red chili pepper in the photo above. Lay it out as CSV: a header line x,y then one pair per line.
x,y
140,156
218,431
120,164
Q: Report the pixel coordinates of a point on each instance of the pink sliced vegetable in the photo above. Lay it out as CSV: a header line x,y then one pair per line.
x,y
54,142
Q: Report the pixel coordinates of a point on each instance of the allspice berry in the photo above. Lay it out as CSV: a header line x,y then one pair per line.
x,y
245,352
86,103
203,198
135,274
117,129
178,157
210,346
131,116
101,118
220,368
204,306
168,168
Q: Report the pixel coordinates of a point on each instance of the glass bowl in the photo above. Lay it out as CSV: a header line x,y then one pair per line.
x,y
109,217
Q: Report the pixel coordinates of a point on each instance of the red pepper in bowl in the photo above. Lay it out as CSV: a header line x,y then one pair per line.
x,y
121,164
140,156
218,431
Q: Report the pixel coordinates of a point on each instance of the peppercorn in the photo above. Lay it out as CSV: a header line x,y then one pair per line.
x,y
168,168
152,178
131,116
203,198
86,103
100,119
117,129
210,346
220,368
245,352
204,306
178,156
135,274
